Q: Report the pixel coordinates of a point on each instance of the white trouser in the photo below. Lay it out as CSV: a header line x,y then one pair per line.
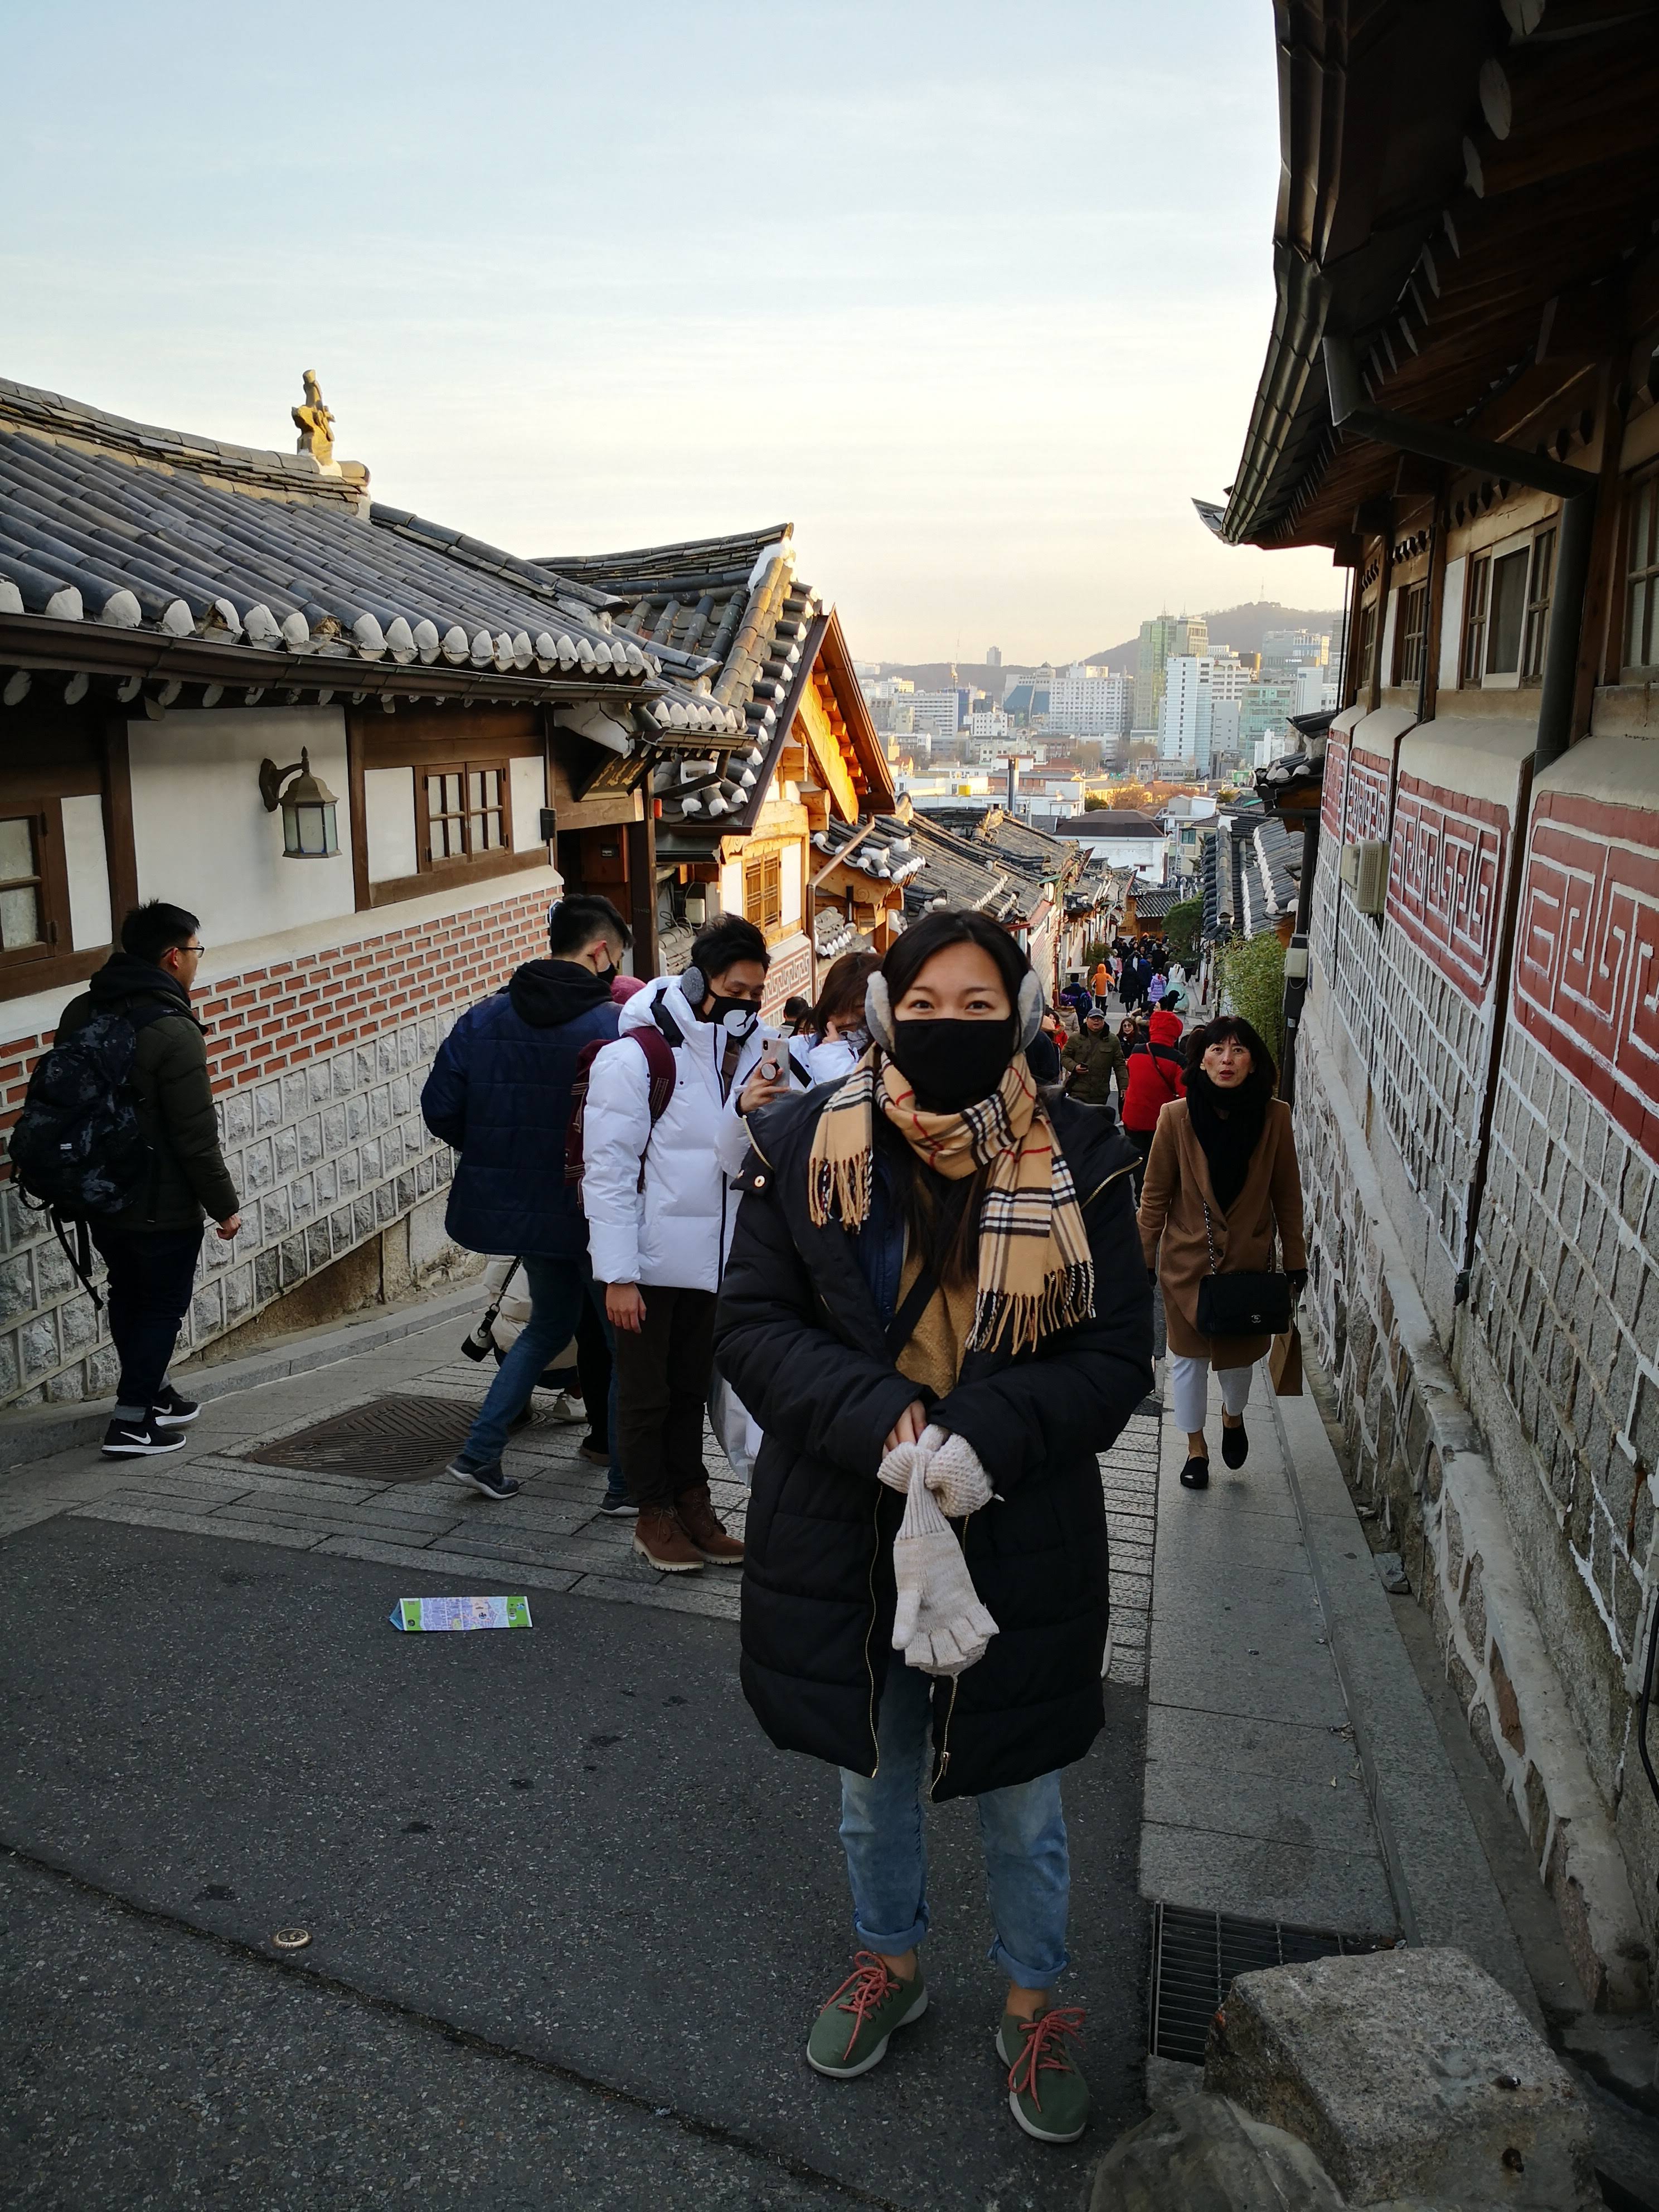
x,y
1190,1384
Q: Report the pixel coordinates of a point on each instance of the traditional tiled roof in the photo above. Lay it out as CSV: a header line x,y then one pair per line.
x,y
132,528
1118,822
1248,874
1153,901
732,607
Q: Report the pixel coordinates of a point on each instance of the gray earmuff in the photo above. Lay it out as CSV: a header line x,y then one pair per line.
x,y
1028,1008
878,1011
694,987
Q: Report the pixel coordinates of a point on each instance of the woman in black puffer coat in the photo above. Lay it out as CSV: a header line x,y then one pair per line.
x,y
936,1286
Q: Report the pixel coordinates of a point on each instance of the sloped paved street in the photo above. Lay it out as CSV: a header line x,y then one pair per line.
x,y
570,1849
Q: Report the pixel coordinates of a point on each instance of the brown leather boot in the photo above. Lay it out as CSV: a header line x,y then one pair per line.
x,y
695,1510
658,1537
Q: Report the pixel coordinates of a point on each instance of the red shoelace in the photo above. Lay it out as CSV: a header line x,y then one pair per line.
x,y
1041,2050
868,1984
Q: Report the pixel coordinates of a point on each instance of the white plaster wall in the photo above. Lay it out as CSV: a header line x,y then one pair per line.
x,y
203,838
389,822
529,790
88,865
789,884
1451,624
731,888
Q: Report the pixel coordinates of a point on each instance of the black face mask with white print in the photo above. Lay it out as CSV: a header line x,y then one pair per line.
x,y
737,1016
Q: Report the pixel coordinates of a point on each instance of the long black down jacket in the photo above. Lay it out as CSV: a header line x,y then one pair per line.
x,y
800,1337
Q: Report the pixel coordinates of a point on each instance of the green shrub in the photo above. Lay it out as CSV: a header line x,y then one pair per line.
x,y
1251,982
1180,927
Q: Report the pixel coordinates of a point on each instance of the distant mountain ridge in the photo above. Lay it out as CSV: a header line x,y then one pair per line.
x,y
1240,629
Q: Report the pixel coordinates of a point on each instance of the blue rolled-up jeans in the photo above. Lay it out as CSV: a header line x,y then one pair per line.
x,y
558,1288
1022,1834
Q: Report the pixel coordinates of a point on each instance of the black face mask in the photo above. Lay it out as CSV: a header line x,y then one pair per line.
x,y
737,1016
953,1064
607,975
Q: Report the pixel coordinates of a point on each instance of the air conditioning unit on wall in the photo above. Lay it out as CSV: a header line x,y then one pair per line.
x,y
1365,872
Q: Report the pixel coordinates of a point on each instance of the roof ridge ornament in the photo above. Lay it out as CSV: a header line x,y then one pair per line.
x,y
314,422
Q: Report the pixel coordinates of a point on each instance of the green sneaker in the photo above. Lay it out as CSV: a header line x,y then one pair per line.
x,y
851,2034
1046,2094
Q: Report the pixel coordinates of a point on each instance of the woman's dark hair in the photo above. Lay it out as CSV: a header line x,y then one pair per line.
x,y
954,925
797,1009
927,1207
1198,1041
841,997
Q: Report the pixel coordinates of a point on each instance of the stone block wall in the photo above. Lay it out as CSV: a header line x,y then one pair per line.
x,y
318,1063
1510,1442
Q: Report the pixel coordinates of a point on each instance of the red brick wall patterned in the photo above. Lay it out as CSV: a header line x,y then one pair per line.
x,y
1446,879
283,1014
1333,784
1370,775
1587,957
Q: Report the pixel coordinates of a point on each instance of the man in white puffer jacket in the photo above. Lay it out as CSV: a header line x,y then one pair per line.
x,y
660,1216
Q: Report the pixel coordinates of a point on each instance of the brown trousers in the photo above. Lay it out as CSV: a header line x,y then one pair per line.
x,y
663,1375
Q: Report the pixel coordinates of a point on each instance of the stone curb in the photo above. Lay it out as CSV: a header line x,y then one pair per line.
x,y
1442,1884
39,1432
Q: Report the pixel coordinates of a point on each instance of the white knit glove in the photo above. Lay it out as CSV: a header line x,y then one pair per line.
x,y
938,1624
954,1472
904,1460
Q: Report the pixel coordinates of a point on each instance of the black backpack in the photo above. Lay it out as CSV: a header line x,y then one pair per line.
x,y
78,1148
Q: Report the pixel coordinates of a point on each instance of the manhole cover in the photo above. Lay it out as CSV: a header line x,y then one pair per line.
x,y
392,1440
1196,1955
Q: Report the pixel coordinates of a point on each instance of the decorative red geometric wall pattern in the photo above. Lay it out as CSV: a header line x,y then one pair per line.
x,y
1366,816
1587,954
1333,784
1446,879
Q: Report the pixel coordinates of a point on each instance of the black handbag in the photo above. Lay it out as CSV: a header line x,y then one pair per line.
x,y
1248,1304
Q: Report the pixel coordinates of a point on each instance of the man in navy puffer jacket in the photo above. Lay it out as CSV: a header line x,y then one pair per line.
x,y
499,1093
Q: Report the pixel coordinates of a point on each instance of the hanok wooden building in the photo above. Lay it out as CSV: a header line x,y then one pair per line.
x,y
731,823
183,622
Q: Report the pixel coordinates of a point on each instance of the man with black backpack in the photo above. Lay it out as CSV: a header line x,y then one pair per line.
x,y
500,1092
139,1001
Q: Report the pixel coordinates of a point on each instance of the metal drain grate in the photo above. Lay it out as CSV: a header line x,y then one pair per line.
x,y
391,1440
1195,1956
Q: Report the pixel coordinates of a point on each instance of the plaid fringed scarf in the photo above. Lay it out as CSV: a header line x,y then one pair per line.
x,y
1035,1273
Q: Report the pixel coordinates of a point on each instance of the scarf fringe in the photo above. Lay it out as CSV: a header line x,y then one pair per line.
x,y
842,1188
1066,1300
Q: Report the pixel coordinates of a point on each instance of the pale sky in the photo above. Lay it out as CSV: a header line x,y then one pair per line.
x,y
975,295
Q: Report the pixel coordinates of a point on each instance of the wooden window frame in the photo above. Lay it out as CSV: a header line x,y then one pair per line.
x,y
470,857
51,754
1368,633
50,879
428,742
1540,587
1411,634
763,904
1640,568
1477,597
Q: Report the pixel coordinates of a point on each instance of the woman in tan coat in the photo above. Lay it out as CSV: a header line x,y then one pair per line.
x,y
1227,1147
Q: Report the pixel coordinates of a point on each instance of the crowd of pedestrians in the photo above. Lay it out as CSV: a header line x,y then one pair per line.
x,y
917,1241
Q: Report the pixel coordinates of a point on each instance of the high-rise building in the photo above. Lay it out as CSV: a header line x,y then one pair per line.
x,y
939,712
1200,717
1280,647
994,656
1089,702
1167,637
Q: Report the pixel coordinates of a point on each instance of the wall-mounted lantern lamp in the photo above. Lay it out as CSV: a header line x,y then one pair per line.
x,y
310,831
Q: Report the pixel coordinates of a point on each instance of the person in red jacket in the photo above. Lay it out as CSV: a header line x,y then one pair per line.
x,y
1155,1078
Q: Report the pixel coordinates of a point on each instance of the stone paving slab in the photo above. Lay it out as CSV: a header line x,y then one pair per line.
x,y
1252,1804
550,1535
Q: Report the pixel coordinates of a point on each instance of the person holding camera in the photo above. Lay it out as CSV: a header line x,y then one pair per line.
x,y
658,1168
1221,1185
